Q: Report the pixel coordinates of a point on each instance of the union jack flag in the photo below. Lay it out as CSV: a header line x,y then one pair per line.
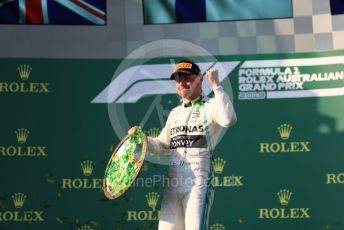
x,y
57,12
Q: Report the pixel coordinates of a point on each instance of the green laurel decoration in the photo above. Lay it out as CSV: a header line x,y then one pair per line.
x,y
125,165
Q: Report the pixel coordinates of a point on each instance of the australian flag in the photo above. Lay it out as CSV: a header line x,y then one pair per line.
x,y
56,12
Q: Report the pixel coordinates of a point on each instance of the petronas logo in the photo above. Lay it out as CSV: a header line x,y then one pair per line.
x,y
284,196
85,227
18,199
22,135
153,132
219,165
217,226
152,199
24,71
87,167
284,131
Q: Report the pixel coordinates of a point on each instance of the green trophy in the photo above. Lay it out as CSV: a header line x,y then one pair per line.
x,y
125,164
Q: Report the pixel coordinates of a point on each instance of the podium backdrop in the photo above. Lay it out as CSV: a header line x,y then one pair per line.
x,y
280,167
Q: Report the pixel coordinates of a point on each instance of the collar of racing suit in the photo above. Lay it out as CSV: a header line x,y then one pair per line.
x,y
198,102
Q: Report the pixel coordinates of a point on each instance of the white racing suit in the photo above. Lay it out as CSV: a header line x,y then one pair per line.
x,y
190,133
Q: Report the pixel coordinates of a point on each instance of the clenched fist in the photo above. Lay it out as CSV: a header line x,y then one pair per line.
x,y
213,77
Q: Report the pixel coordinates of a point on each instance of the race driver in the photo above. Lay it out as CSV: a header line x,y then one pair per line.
x,y
190,134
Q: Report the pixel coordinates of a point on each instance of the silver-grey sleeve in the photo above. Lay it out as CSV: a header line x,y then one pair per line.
x,y
223,111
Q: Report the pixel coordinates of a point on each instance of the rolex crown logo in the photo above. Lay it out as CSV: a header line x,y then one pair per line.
x,y
217,227
219,164
152,199
284,131
153,132
18,199
22,135
87,167
284,196
24,71
85,227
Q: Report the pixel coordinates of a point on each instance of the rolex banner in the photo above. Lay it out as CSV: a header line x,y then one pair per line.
x,y
281,166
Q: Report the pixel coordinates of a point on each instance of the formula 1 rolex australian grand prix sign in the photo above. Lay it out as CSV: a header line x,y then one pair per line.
x,y
291,78
257,79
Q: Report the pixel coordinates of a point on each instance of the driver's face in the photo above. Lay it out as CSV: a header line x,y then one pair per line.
x,y
189,86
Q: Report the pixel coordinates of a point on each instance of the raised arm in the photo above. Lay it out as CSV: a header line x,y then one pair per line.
x,y
223,111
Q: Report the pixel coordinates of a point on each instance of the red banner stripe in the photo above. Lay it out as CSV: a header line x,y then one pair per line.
x,y
34,12
99,15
